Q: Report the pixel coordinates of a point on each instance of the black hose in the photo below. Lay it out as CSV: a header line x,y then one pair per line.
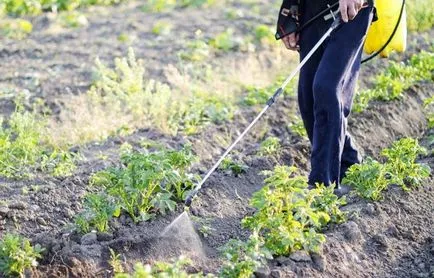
x,y
372,56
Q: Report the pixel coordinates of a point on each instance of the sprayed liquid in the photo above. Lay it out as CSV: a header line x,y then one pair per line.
x,y
180,234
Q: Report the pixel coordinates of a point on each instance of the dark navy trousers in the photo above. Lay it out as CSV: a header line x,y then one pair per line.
x,y
325,93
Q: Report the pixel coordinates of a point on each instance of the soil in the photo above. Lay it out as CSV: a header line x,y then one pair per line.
x,y
390,238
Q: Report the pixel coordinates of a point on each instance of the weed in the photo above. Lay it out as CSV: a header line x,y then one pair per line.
x,y
402,165
73,19
196,50
368,178
224,41
289,216
236,168
23,147
162,28
17,255
115,262
270,146
241,259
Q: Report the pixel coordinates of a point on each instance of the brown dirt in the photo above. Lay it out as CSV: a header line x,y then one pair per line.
x,y
391,238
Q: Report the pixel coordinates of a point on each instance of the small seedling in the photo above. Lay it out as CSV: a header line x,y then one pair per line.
x,y
297,126
236,168
115,262
270,146
162,28
242,259
224,41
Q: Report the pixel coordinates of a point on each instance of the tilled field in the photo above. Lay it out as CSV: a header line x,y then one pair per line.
x,y
390,238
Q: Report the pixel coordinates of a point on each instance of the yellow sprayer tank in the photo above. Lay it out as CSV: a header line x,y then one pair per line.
x,y
388,12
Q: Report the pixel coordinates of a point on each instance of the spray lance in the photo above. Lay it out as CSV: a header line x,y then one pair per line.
x,y
337,21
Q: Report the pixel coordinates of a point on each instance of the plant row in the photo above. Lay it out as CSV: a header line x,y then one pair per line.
x,y
398,77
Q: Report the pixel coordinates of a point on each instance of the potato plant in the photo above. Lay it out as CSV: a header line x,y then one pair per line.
x,y
369,179
235,167
297,126
289,216
163,270
17,254
98,210
147,183
242,258
402,165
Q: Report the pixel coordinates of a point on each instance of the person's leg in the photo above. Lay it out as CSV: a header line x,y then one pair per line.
x,y
329,130
308,38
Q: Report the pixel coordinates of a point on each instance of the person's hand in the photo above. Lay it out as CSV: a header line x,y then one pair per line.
x,y
350,8
291,41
